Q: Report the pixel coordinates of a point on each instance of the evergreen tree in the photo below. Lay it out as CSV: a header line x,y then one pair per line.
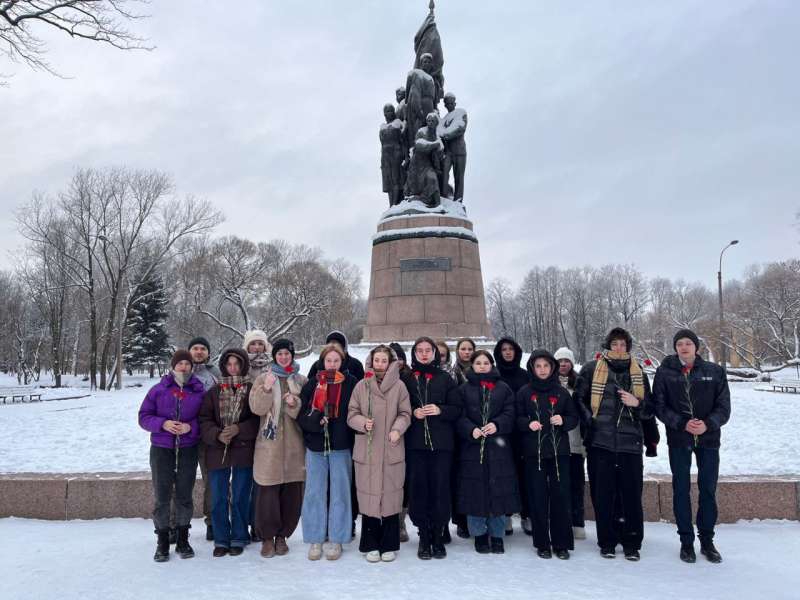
x,y
146,340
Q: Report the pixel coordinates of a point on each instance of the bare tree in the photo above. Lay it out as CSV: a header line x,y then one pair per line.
x,y
103,21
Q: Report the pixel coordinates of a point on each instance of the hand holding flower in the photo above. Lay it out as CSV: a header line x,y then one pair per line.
x,y
369,424
535,426
489,429
556,420
628,399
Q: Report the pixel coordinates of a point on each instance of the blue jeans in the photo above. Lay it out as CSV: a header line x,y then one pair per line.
x,y
229,521
317,514
680,463
496,526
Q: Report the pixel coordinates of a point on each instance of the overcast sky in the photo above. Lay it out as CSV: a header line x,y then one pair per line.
x,y
643,131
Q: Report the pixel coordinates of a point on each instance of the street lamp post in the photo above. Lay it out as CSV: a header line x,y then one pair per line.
x,y
722,349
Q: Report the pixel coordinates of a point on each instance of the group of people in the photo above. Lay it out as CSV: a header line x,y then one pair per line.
x,y
473,440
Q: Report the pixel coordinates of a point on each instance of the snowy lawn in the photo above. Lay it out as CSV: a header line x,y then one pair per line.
x,y
113,559
101,433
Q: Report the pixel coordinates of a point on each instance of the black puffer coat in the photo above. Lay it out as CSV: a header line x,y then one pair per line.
x,y
510,372
340,435
610,430
710,401
534,402
488,488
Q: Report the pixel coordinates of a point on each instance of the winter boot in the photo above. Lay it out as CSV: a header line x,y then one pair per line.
x,y
209,533
438,549
182,546
562,554
236,550
497,546
462,531
708,550
162,546
545,553
632,554
173,536
482,544
687,553
268,548
424,551
281,548
608,552
403,530
509,526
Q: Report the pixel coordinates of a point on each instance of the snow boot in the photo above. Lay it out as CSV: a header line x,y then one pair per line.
x,y
687,553
182,546
438,549
162,546
497,546
403,530
424,551
482,544
708,550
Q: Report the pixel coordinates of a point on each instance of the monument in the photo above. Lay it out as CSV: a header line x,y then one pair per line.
x,y
426,269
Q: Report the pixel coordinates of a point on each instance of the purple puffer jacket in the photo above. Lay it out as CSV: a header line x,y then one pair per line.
x,y
163,402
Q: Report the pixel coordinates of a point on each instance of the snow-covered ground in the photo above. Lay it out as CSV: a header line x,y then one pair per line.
x,y
100,433
112,558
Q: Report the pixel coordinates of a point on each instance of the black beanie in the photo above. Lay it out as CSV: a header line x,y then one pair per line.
x,y
199,340
686,333
618,333
338,337
398,351
179,356
283,344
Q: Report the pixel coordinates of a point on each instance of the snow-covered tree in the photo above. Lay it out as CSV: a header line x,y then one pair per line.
x,y
147,342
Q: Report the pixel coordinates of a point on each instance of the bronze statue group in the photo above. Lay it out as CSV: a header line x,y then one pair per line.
x,y
470,441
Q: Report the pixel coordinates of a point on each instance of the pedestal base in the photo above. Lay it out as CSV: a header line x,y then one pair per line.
x,y
426,277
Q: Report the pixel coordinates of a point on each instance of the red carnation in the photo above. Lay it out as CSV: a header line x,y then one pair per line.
x,y
553,400
428,376
490,385
686,369
648,362
533,398
368,375
417,374
598,356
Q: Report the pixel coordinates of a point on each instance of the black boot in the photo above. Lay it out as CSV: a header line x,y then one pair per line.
x,y
209,533
482,544
424,550
631,554
446,537
708,550
462,532
173,536
497,546
162,546
182,546
439,551
687,553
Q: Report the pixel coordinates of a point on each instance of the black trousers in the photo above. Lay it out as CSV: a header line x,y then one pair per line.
x,y
618,476
549,502
430,488
382,535
680,463
577,482
168,480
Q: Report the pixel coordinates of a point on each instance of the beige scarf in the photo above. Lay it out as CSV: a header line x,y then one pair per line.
x,y
601,377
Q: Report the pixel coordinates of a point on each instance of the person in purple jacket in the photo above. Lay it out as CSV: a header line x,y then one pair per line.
x,y
169,412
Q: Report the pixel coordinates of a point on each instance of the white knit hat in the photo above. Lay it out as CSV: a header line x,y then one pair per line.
x,y
564,352
255,335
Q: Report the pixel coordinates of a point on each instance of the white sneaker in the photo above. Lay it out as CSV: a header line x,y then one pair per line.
x,y
334,552
373,556
315,552
388,556
579,533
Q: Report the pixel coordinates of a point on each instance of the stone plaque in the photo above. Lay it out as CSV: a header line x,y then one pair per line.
x,y
425,264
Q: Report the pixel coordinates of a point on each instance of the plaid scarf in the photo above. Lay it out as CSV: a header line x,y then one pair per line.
x,y
232,396
601,377
328,393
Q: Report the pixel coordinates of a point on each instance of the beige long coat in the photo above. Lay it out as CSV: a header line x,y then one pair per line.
x,y
380,467
282,460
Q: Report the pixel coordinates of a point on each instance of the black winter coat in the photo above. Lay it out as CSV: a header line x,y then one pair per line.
x,y
533,403
341,436
440,390
350,366
488,488
616,428
710,401
511,372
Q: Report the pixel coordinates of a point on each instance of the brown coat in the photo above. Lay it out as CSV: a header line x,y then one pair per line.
x,y
240,449
282,460
380,468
